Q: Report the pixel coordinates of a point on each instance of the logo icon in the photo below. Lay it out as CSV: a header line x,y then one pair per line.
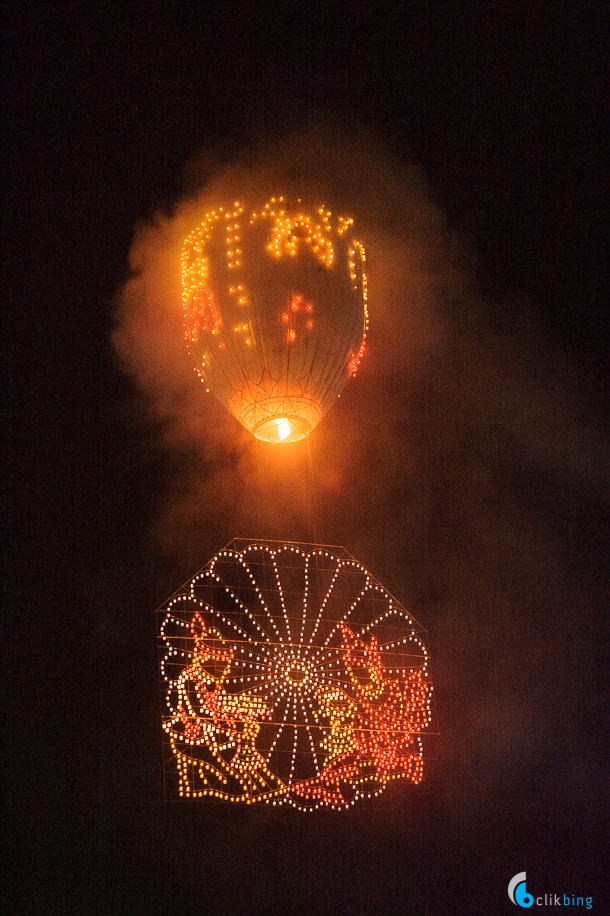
x,y
518,893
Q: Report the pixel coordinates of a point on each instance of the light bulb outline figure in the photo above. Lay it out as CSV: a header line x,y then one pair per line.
x,y
294,662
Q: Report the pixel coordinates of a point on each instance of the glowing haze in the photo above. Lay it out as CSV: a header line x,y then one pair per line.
x,y
446,395
401,230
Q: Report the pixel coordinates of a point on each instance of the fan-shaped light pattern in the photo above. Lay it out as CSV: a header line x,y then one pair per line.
x,y
291,676
275,312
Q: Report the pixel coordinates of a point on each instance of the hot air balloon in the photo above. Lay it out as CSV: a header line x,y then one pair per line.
x,y
275,312
291,676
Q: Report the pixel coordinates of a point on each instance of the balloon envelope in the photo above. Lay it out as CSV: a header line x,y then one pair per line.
x,y
275,312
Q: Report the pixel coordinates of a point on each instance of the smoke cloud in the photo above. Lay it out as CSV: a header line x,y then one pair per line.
x,y
409,274
436,369
456,465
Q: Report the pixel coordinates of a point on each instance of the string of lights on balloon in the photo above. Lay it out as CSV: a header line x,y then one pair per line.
x,y
269,698
276,361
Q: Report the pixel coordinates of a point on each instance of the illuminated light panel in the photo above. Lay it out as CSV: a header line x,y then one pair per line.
x,y
275,309
291,676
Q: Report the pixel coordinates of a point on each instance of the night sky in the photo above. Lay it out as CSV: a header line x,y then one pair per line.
x,y
466,466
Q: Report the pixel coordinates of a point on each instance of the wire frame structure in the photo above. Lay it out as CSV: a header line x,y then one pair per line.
x,y
275,312
290,676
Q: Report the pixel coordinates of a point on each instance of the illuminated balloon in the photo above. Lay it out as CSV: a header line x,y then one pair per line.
x,y
275,312
291,676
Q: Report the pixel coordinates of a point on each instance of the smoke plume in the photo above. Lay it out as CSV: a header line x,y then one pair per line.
x,y
436,369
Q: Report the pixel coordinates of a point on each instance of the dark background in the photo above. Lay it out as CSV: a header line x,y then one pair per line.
x,y
502,106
